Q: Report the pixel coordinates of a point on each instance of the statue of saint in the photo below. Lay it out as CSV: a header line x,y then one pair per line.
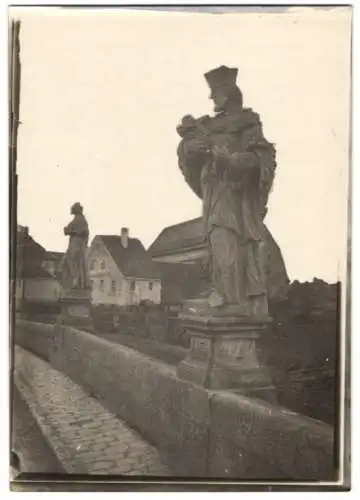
x,y
74,268
230,165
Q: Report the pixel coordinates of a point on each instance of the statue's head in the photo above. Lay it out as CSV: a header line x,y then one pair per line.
x,y
76,209
224,91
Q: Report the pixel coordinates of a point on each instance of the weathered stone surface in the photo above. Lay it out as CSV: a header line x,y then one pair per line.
x,y
226,353
222,159
171,414
199,433
75,309
261,441
35,337
74,274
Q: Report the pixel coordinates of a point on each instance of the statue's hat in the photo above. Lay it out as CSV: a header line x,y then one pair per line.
x,y
221,76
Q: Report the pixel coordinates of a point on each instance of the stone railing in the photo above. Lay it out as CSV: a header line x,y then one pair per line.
x,y
199,433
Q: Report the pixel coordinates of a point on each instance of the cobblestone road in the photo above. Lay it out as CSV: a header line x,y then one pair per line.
x,y
84,435
28,442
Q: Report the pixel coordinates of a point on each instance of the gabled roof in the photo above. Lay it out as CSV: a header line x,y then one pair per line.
x,y
34,271
133,261
190,235
187,234
54,255
29,247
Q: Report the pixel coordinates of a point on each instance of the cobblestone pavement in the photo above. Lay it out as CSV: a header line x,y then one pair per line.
x,y
86,438
28,442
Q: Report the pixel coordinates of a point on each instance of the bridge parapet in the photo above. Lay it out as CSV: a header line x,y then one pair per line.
x,y
199,433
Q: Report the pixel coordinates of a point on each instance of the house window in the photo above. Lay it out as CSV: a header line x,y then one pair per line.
x,y
132,286
151,285
102,285
102,265
113,287
92,264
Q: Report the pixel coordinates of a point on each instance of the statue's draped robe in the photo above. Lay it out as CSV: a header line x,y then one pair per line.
x,y
74,268
234,201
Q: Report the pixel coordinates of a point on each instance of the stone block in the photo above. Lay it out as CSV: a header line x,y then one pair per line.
x,y
76,310
262,441
226,354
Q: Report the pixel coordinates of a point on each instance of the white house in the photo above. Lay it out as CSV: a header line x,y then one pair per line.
x,y
121,271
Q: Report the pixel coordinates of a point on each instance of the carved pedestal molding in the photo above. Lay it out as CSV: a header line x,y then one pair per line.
x,y
76,309
226,354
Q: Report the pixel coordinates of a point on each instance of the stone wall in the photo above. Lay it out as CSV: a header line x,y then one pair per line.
x,y
199,433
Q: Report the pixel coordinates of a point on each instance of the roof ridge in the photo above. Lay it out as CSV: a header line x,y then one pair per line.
x,y
184,223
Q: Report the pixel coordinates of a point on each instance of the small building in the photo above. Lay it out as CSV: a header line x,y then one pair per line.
x,y
33,282
184,244
38,285
122,272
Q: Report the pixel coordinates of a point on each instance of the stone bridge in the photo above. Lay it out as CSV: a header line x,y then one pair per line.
x,y
105,408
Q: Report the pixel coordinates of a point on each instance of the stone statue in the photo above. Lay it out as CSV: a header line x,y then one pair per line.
x,y
229,164
74,268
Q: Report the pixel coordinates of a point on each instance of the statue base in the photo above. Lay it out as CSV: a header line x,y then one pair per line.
x,y
226,354
75,309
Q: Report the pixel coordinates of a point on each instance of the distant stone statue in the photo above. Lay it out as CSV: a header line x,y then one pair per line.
x,y
229,164
74,268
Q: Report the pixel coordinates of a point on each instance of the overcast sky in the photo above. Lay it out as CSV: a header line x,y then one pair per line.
x,y
102,94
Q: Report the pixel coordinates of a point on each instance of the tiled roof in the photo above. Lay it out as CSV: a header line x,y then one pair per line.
x,y
133,261
190,234
178,237
30,248
35,271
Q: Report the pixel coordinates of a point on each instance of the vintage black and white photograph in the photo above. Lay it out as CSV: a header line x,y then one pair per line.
x,y
179,259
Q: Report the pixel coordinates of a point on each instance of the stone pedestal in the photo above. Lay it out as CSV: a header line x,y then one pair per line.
x,y
226,354
76,309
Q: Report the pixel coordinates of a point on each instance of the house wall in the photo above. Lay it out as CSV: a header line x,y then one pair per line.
x,y
109,286
140,290
41,289
102,271
124,291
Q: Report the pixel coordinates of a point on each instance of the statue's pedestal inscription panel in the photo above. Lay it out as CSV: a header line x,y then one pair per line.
x,y
226,354
76,310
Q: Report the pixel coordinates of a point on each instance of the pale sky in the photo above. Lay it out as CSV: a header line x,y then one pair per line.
x,y
102,94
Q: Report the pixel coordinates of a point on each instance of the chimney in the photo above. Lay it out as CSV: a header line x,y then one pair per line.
x,y
23,229
124,237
